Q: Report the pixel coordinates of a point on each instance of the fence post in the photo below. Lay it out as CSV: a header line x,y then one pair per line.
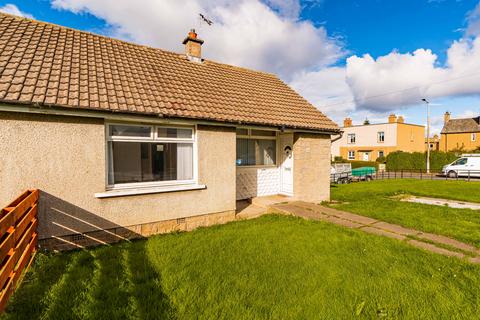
x,y
421,175
469,175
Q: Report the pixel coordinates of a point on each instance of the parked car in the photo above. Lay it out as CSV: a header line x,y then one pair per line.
x,y
468,165
341,173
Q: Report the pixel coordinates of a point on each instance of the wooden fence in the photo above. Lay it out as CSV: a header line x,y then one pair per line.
x,y
18,240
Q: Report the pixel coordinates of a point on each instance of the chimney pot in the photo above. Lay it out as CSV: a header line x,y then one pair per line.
x,y
400,119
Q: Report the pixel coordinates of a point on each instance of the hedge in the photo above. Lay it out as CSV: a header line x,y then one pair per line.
x,y
400,160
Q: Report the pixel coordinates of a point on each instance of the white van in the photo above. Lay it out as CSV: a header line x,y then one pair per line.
x,y
467,165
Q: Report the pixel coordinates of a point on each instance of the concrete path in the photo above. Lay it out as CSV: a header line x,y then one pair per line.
x,y
427,241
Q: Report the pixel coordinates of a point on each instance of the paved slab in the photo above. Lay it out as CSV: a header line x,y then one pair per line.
x,y
383,233
449,242
435,249
350,220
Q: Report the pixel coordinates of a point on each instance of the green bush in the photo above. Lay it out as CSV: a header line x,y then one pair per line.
x,y
381,160
400,160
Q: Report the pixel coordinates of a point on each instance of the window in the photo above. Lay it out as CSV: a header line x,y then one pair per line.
x,y
256,147
380,153
474,136
149,154
381,136
460,162
351,155
351,138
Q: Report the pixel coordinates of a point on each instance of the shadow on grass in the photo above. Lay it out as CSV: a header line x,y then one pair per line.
x,y
28,302
150,299
110,294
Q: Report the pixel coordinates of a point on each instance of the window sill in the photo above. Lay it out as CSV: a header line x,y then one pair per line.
x,y
148,190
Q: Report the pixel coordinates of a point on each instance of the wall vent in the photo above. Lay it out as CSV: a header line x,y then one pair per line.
x,y
180,220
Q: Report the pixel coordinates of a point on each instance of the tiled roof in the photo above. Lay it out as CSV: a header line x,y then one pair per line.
x,y
462,125
50,65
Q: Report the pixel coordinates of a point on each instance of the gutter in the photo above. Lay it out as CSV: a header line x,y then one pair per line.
x,y
153,118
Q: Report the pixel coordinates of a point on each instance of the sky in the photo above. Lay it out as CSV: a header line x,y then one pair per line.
x,y
362,59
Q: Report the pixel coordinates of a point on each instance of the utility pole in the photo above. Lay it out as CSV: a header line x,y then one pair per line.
x,y
428,134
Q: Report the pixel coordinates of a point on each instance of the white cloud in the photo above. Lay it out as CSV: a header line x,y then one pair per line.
x,y
13,9
399,80
247,33
473,20
327,89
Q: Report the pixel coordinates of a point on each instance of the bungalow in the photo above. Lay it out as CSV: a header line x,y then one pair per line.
x,y
125,140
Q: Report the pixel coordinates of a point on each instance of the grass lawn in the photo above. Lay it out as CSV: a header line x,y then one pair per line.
x,y
373,199
273,267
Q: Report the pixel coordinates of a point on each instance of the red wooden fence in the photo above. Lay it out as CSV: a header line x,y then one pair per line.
x,y
18,240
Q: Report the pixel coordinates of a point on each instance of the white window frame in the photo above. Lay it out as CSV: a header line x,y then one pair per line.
x,y
153,138
351,155
252,137
349,135
474,136
381,134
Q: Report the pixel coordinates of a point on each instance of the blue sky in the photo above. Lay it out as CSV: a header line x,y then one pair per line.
x,y
338,54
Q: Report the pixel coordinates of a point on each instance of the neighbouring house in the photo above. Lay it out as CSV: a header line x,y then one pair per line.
x,y
368,142
125,140
460,134
434,143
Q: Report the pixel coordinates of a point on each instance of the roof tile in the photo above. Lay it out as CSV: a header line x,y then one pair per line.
x,y
54,65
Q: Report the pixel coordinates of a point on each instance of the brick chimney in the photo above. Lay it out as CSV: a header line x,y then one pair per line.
x,y
193,46
347,122
400,119
392,118
446,117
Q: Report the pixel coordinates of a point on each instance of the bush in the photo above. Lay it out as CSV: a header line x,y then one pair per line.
x,y
400,160
381,160
359,164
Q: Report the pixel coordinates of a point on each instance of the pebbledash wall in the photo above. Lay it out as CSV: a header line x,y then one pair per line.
x,y
64,157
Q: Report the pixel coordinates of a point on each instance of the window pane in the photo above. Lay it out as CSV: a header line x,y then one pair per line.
x,y
266,152
263,133
256,152
242,132
130,131
177,133
146,162
245,152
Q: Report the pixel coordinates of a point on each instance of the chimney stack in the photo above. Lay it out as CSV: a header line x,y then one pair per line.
x,y
446,117
193,46
392,118
347,122
400,119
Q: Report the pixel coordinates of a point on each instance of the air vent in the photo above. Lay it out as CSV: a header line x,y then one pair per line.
x,y
180,220
78,237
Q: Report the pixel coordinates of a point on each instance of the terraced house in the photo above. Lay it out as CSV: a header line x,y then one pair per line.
x,y
460,134
124,140
368,142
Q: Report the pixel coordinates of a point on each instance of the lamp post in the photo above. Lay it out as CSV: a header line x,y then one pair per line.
x,y
428,134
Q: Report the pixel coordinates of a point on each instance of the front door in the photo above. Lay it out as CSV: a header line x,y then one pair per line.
x,y
366,156
286,166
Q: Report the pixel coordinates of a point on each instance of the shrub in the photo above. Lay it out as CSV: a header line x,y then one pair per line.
x,y
400,160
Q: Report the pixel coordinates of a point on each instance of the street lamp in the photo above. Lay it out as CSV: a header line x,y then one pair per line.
x,y
428,134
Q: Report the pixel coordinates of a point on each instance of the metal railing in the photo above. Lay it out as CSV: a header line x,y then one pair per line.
x,y
464,175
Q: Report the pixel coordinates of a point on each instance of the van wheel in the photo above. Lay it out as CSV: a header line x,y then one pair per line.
x,y
368,178
452,174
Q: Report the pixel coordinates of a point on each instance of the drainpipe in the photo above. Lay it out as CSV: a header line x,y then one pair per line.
x,y
338,138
